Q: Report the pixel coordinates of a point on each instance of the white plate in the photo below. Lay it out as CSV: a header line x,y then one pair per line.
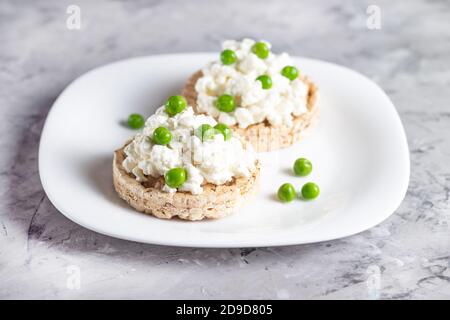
x,y
358,149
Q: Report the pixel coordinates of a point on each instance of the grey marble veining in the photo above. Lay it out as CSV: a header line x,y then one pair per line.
x,y
409,57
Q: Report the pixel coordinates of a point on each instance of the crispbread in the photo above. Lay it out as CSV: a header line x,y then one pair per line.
x,y
216,201
263,136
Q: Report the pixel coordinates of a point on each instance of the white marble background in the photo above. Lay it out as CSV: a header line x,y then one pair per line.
x,y
409,57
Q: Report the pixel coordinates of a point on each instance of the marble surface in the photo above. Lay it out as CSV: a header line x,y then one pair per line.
x,y
44,255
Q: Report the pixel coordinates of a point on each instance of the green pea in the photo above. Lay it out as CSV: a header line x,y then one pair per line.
x,y
224,130
175,104
290,72
175,177
228,57
136,121
302,167
226,103
266,81
310,191
286,192
162,136
206,132
261,50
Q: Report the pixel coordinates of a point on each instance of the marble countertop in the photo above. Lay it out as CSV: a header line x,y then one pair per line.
x,y
44,255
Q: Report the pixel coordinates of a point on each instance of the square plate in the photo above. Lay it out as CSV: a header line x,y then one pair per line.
x,y
358,149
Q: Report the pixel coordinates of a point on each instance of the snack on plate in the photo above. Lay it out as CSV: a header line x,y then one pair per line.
x,y
261,95
185,164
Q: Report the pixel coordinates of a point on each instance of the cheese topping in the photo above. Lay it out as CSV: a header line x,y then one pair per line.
x,y
213,160
277,105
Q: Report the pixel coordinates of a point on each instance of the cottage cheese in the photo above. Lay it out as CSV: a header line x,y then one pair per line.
x,y
277,105
215,161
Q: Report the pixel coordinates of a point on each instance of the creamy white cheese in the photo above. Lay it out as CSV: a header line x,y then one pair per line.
x,y
214,160
277,105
